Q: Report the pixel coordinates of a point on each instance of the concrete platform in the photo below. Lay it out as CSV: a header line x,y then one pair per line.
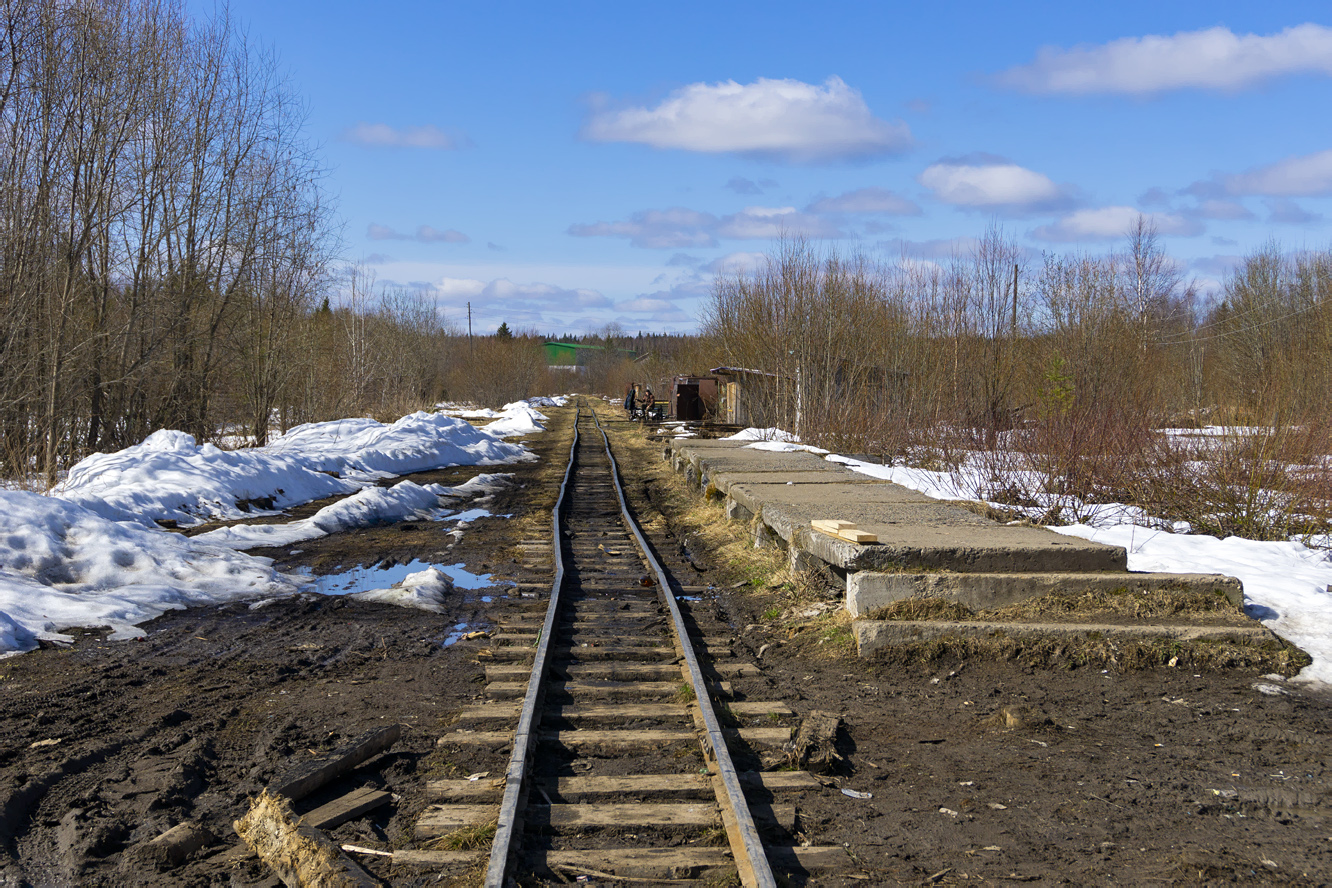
x,y
868,590
871,635
785,491
929,548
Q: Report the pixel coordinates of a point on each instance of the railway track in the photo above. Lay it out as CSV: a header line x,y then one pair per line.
x,y
626,714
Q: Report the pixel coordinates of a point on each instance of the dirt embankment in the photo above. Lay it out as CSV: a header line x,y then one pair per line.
x,y
976,769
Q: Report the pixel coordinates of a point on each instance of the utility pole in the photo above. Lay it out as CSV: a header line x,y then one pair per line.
x,y
469,328
1015,276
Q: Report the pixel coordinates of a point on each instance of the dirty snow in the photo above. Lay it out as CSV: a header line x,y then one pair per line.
x,y
91,554
170,477
63,565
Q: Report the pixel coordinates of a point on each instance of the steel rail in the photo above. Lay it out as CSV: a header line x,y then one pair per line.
x,y
751,844
508,828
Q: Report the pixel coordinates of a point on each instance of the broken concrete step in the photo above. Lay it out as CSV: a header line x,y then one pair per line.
x,y
872,635
867,590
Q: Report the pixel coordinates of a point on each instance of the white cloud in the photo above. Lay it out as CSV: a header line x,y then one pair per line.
x,y
427,235
766,223
527,301
941,248
680,228
784,119
737,263
1111,223
866,200
424,234
1304,176
673,228
381,135
1216,266
1221,209
992,186
1214,58
1284,211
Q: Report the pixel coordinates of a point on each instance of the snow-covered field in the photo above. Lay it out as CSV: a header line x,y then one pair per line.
x,y
1287,585
91,553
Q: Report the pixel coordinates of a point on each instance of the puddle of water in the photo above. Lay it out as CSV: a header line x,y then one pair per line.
x,y
459,629
364,579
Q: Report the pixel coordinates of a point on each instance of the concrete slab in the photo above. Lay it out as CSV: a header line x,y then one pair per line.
x,y
914,530
872,635
868,590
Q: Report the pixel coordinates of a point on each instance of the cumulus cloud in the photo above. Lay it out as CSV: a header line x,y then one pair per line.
x,y
1214,58
866,200
1224,210
1284,211
1307,175
939,248
741,185
424,234
993,184
1216,266
505,295
381,135
737,263
753,223
684,260
1111,223
680,228
780,119
673,228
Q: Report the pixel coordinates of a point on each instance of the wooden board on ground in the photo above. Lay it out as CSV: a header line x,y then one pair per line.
x,y
440,819
298,784
349,807
628,815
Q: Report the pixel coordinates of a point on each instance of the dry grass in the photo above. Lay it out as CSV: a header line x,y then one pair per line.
x,y
1048,653
922,609
1141,604
468,838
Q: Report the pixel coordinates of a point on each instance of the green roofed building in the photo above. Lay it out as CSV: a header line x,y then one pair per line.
x,y
574,356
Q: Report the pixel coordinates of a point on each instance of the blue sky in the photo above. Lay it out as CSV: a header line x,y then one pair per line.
x,y
567,166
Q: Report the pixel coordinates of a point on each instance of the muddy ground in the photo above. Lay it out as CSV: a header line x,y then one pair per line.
x,y
977,770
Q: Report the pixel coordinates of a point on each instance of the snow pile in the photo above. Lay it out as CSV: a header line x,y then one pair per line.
x,y
784,447
367,450
62,565
371,506
466,412
772,434
481,484
1285,583
425,590
168,476
518,418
